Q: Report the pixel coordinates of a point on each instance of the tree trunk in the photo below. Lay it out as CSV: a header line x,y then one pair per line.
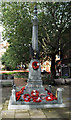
x,y
53,72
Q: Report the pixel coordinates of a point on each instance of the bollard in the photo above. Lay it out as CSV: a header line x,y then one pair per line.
x,y
13,96
59,95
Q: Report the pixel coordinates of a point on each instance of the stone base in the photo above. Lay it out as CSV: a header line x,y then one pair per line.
x,y
38,97
10,106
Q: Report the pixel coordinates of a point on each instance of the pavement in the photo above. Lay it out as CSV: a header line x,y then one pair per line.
x,y
39,114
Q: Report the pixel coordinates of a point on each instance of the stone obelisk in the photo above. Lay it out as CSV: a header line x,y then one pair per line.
x,y
35,31
34,80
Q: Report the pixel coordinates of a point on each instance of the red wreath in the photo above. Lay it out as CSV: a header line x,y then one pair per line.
x,y
37,100
22,89
48,98
27,97
19,93
18,96
35,96
35,93
55,98
51,97
35,65
42,96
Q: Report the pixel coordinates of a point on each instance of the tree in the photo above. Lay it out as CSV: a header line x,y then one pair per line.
x,y
54,20
17,31
66,50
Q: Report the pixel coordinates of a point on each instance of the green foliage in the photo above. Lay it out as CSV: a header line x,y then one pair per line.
x,y
17,31
21,75
54,21
54,24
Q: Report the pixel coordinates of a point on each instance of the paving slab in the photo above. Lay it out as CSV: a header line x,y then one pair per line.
x,y
37,113
8,114
22,114
56,113
53,115
21,111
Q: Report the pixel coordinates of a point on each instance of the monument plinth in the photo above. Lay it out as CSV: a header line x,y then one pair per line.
x,y
34,95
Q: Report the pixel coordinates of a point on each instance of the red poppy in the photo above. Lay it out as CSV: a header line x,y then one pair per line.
x,y
51,95
18,97
37,100
48,93
35,65
27,97
35,93
23,88
48,98
54,97
18,94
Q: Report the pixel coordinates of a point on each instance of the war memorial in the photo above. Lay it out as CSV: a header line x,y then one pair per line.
x,y
34,95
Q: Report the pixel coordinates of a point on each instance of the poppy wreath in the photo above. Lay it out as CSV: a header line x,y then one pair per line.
x,y
55,98
42,96
48,98
22,89
35,96
27,97
35,65
51,97
19,93
35,93
18,96
37,100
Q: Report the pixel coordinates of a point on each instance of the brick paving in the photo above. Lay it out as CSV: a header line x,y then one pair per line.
x,y
60,113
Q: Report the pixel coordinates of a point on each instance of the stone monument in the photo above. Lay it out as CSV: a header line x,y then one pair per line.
x,y
34,95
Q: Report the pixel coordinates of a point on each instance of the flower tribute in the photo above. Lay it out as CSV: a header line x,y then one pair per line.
x,y
35,96
35,65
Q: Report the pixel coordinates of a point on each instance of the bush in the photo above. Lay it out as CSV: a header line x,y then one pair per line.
x,y
21,75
